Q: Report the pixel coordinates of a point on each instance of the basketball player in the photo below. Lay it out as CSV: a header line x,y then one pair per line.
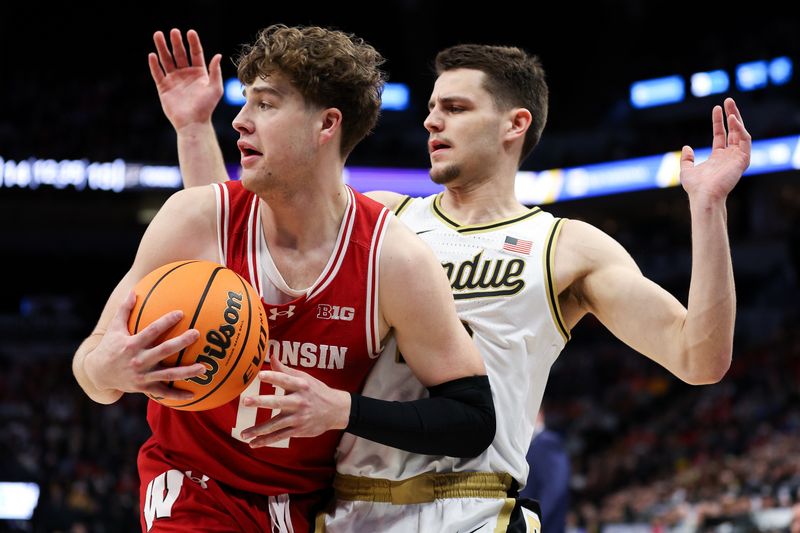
x,y
521,279
340,278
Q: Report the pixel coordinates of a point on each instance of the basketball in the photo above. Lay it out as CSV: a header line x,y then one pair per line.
x,y
227,312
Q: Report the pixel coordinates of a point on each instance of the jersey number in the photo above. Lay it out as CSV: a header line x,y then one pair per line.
x,y
246,415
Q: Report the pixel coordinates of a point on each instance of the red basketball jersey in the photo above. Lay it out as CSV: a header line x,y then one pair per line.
x,y
331,332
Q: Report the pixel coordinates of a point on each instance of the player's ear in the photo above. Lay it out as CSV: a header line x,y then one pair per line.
x,y
331,122
519,120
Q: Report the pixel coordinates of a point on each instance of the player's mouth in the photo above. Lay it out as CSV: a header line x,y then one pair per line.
x,y
249,154
435,147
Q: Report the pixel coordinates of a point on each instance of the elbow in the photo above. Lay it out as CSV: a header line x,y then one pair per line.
x,y
707,369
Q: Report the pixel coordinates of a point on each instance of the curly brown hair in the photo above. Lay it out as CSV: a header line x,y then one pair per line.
x,y
329,68
514,78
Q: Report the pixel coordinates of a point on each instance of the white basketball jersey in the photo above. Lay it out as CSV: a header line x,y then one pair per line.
x,y
502,278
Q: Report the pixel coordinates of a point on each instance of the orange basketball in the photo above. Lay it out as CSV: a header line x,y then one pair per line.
x,y
227,312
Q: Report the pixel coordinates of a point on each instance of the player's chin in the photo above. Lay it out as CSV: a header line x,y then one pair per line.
x,y
248,177
442,173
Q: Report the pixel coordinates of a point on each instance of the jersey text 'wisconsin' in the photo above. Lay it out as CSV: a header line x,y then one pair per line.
x,y
308,354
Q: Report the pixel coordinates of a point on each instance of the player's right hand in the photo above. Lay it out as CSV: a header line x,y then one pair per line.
x,y
188,92
131,363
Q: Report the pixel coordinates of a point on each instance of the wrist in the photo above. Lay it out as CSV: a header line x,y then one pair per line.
x,y
195,128
706,203
89,370
98,390
342,407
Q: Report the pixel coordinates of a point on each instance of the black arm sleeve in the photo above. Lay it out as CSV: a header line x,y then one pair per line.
x,y
457,420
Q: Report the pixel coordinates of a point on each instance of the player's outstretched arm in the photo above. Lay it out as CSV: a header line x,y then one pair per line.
x,y
695,342
189,91
111,361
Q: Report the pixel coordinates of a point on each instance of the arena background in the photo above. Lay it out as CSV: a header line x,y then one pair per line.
x,y
648,453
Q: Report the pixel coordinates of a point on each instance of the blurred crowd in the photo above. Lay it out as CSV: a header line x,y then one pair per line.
x,y
651,450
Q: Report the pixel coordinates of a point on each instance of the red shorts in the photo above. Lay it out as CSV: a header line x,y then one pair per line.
x,y
176,500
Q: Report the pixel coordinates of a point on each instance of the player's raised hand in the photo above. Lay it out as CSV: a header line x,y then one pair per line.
x,y
188,90
714,178
131,363
307,408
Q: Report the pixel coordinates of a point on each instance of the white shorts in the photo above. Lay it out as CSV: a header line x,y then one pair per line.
x,y
453,515
456,502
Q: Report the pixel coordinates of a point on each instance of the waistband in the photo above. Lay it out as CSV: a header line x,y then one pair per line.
x,y
423,488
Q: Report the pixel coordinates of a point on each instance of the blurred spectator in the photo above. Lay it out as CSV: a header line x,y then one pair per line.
x,y
548,478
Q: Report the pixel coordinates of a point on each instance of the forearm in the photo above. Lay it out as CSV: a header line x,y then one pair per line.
x,y
200,156
104,396
457,420
708,329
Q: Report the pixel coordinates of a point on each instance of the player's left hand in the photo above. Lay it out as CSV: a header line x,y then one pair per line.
x,y
308,407
714,178
188,89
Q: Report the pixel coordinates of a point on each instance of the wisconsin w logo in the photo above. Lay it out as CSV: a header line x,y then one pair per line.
x,y
163,491
161,495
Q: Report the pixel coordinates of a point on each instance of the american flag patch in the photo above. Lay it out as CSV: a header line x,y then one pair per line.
x,y
519,246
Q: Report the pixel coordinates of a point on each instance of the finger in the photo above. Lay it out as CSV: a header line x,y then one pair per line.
x,y
732,109
274,424
178,51
733,132
276,365
271,401
171,346
123,313
215,71
164,56
687,158
718,127
176,373
266,440
148,336
284,381
741,136
155,68
195,49
159,391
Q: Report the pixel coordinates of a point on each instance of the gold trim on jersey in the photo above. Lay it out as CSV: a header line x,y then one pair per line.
x,y
423,488
398,210
436,206
505,515
319,523
549,270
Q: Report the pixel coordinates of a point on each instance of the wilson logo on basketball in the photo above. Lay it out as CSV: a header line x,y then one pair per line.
x,y
227,312
219,340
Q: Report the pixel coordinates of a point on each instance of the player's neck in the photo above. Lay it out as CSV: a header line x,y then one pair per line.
x,y
478,202
304,219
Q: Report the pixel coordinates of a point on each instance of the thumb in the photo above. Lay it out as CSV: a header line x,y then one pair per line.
x,y
687,158
124,310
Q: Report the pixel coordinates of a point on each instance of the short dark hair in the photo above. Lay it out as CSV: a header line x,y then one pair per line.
x,y
329,68
514,78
